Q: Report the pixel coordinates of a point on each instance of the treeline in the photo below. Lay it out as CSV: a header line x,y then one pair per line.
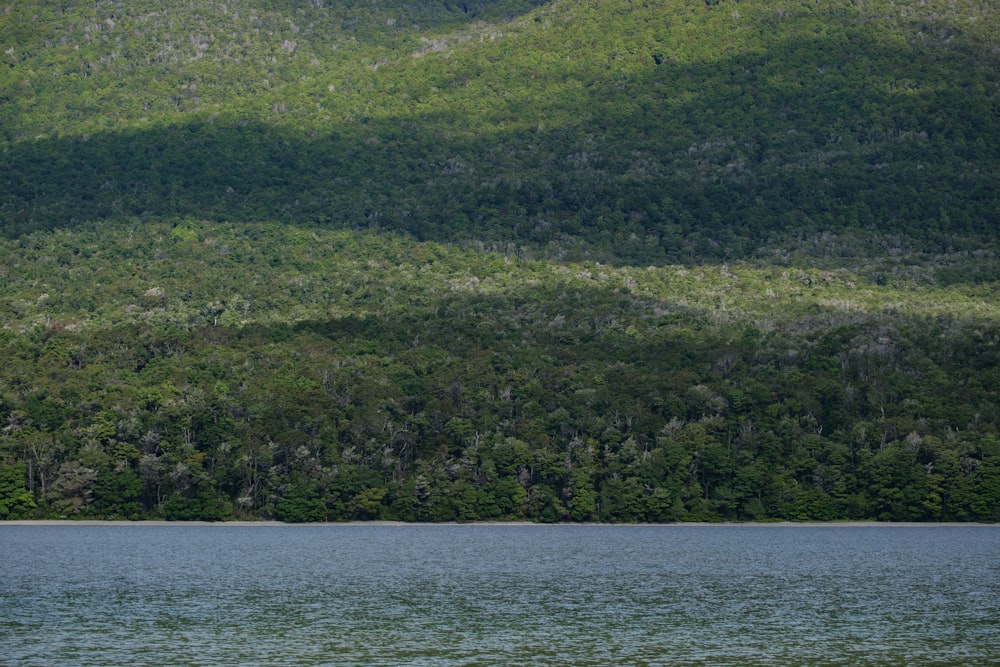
x,y
262,372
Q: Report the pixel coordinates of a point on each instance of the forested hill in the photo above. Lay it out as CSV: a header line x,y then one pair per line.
x,y
559,261
670,130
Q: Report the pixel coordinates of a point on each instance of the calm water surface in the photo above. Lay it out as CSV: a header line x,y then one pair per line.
x,y
499,595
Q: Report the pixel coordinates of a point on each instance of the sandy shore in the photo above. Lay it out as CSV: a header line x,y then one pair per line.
x,y
746,524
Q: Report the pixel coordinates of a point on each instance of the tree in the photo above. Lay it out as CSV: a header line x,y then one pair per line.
x,y
16,501
300,504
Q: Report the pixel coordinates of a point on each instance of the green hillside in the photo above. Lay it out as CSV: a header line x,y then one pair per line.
x,y
651,132
578,260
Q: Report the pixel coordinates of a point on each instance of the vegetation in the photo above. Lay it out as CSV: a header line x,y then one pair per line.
x,y
568,261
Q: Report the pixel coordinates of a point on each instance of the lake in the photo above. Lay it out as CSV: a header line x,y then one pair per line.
x,y
499,595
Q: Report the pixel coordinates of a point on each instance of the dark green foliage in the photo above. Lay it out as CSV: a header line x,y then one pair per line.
x,y
202,507
16,501
300,504
117,494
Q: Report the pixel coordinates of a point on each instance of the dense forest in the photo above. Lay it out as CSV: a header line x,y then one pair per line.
x,y
581,260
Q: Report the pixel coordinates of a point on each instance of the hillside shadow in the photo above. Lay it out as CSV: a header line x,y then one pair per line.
x,y
688,163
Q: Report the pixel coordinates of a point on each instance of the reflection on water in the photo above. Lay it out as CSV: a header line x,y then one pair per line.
x,y
510,595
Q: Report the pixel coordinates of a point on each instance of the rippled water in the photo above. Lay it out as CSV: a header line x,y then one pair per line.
x,y
499,595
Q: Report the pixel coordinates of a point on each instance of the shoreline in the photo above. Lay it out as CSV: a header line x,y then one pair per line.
x,y
473,524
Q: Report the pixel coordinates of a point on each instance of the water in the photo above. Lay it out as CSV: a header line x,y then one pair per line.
x,y
499,595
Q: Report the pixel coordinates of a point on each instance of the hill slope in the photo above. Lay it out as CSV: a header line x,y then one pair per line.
x,y
650,132
455,261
